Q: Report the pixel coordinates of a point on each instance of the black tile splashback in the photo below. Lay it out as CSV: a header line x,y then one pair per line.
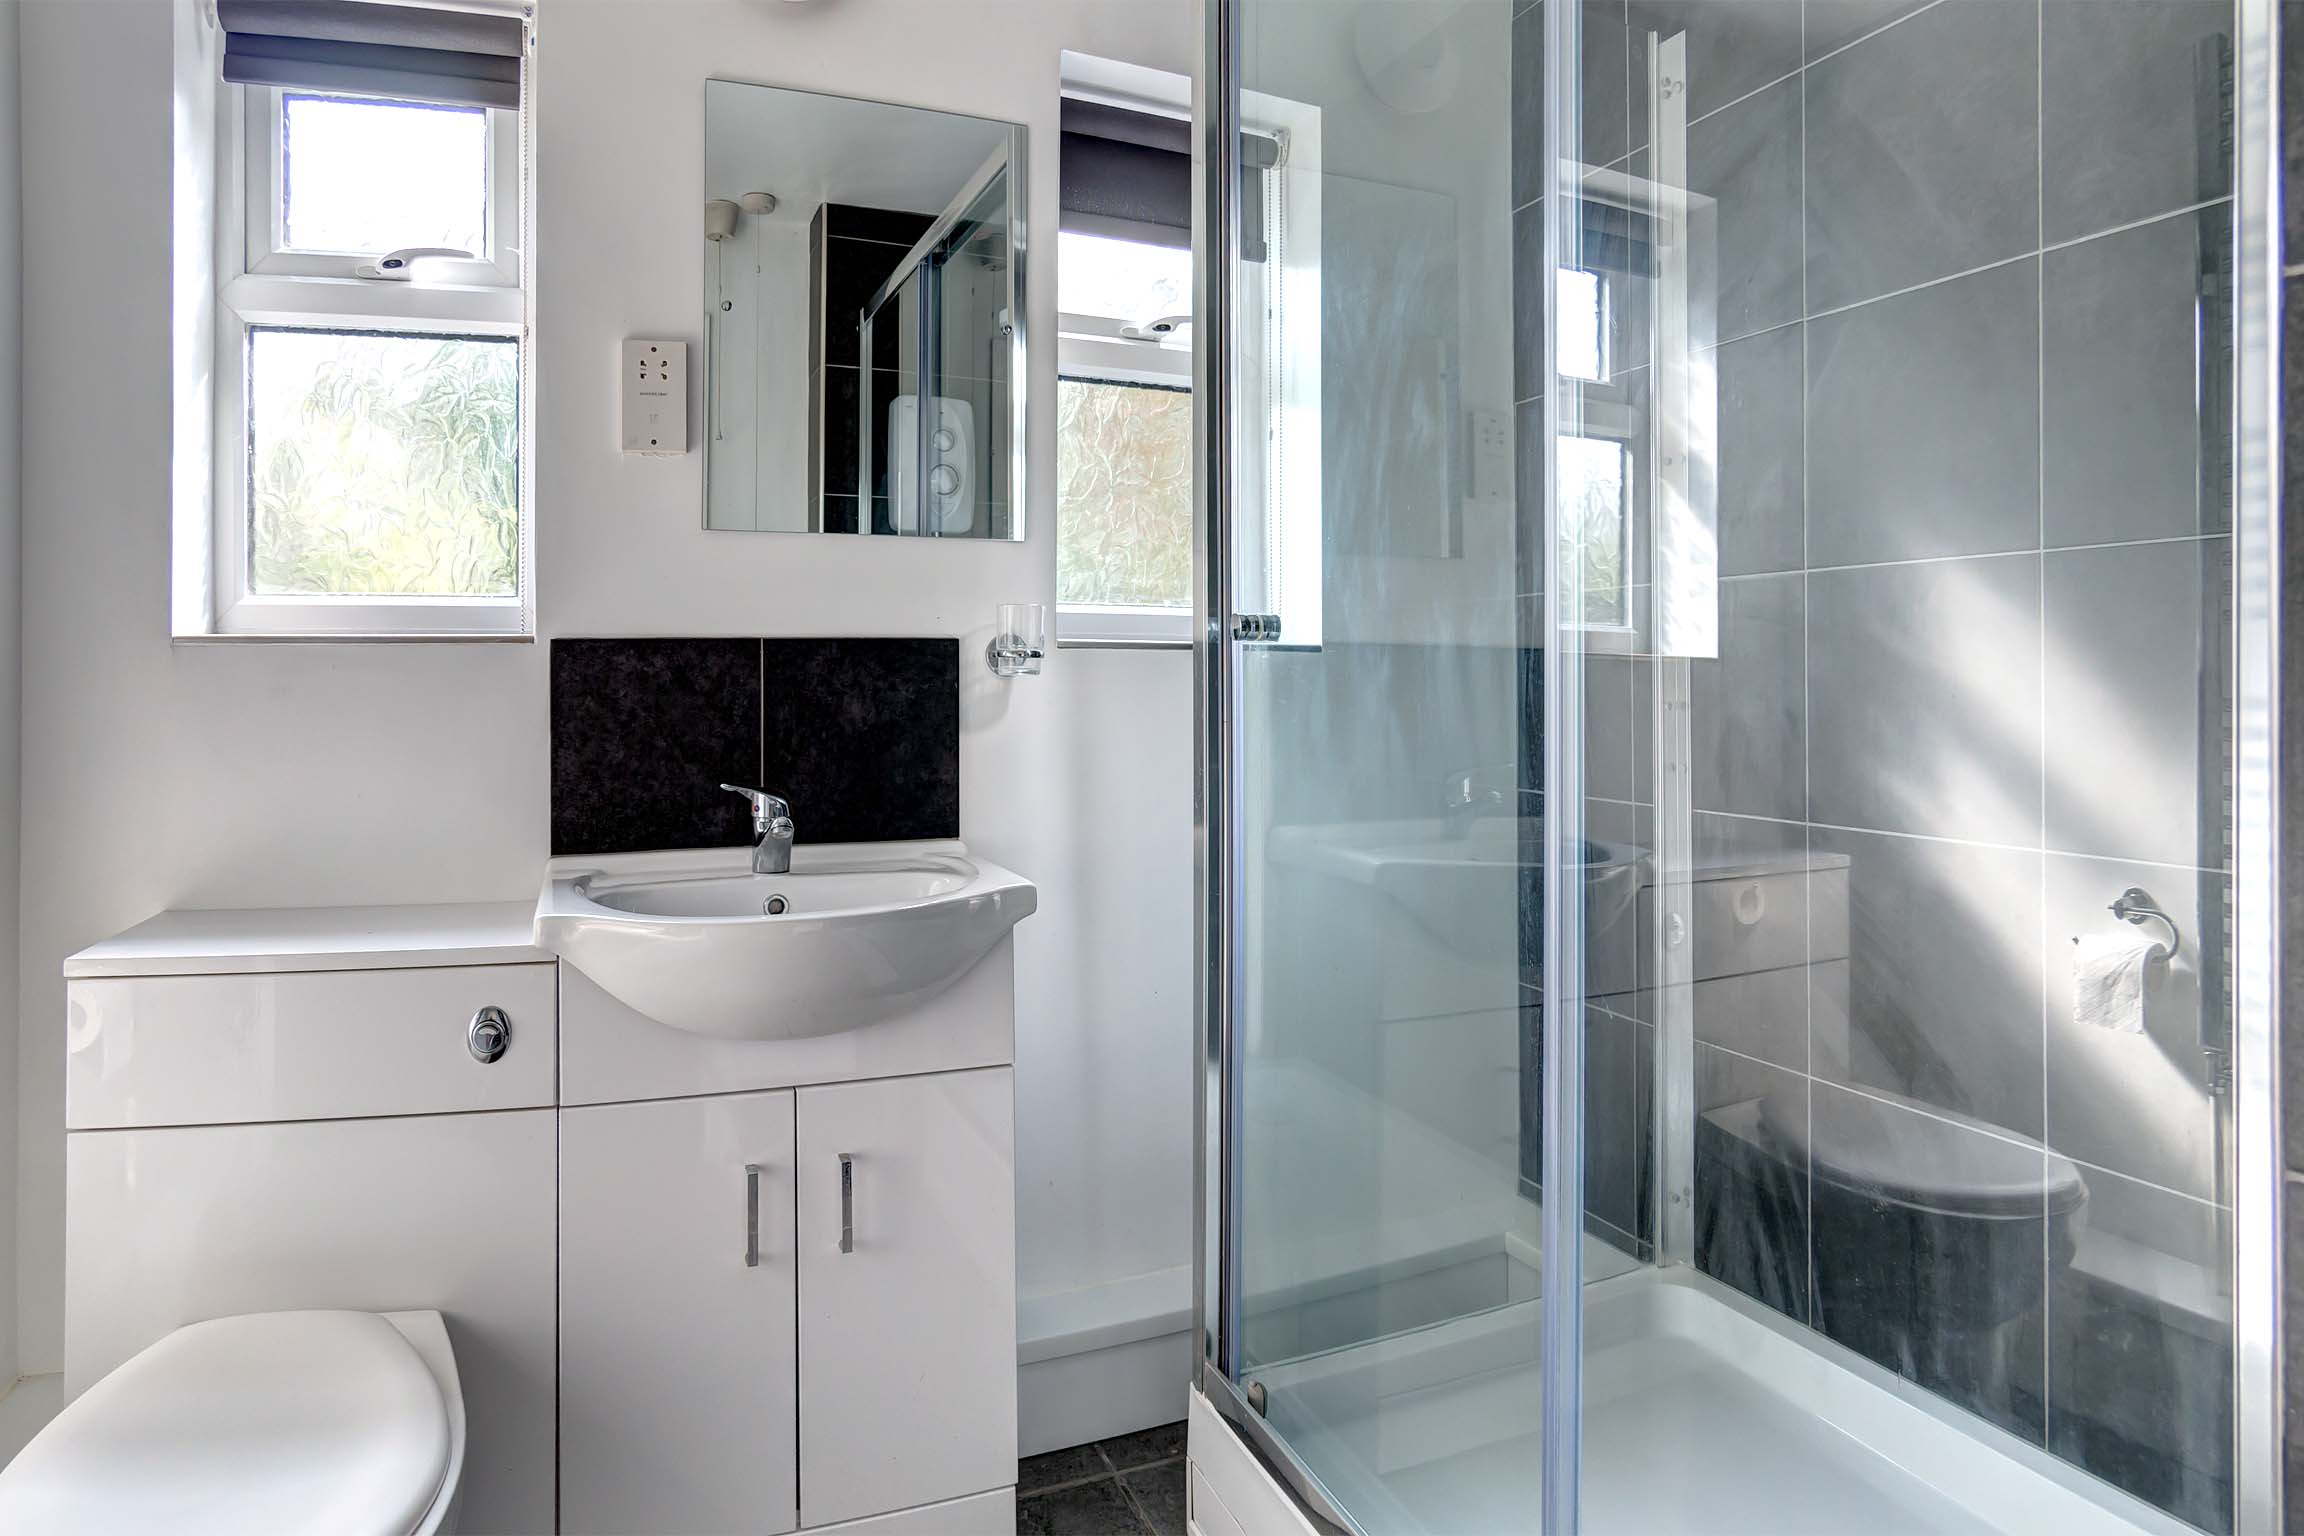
x,y
862,736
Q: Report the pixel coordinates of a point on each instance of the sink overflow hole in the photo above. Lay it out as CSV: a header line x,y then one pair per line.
x,y
774,906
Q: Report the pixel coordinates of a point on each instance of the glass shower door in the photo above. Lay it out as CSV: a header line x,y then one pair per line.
x,y
1733,559
1373,826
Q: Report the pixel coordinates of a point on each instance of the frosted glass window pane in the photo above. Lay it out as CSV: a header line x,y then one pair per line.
x,y
383,464
1123,494
374,176
1593,477
1583,325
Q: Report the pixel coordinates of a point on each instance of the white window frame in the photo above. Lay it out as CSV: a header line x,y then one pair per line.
x,y
264,285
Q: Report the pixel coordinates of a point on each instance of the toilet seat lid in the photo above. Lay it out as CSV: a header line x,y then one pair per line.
x,y
1896,1150
278,1421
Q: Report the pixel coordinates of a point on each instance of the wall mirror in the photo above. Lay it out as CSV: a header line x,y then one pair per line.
x,y
864,317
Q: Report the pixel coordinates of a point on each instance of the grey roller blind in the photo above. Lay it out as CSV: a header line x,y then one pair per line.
x,y
453,58
1129,174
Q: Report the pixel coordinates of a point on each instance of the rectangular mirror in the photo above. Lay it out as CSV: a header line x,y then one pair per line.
x,y
863,317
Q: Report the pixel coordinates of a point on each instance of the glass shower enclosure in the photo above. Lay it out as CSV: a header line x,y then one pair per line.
x,y
1735,716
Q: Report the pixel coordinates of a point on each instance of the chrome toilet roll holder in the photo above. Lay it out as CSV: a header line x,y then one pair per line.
x,y
2135,905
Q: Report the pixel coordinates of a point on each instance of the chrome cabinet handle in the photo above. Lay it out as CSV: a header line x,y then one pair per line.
x,y
847,1202
751,1215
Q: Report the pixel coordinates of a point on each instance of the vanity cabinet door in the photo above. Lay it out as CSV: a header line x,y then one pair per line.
x,y
676,1348
907,1292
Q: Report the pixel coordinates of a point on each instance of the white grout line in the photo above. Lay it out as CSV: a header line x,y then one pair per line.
x,y
2040,506
1852,42
1807,733
1999,554
2080,855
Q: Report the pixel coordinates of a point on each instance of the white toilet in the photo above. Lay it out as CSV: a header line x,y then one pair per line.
x,y
345,1422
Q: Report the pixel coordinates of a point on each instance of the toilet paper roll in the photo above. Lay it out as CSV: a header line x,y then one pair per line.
x,y
2112,975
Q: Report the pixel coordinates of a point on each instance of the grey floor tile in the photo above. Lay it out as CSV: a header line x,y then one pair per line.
x,y
1164,1442
1159,1495
1923,422
2136,683
1083,1509
1070,1465
1922,151
2128,455
2130,110
1924,698
1746,159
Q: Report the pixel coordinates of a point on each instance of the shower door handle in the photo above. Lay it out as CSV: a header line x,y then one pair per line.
x,y
1256,626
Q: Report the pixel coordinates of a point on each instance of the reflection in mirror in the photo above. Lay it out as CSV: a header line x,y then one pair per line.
x,y
864,334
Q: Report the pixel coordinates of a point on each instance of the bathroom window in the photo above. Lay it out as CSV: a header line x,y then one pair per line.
x,y
371,376
1123,441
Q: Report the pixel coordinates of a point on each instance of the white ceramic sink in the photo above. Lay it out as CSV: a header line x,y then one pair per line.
x,y
853,935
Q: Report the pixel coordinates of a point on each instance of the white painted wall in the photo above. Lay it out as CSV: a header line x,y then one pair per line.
x,y
159,775
10,652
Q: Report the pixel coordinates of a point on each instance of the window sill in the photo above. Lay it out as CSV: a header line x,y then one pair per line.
x,y
348,637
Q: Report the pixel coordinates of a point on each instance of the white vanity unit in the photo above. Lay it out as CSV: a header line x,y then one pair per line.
x,y
768,1281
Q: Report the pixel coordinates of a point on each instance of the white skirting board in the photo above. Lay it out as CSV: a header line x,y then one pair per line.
x,y
1102,1360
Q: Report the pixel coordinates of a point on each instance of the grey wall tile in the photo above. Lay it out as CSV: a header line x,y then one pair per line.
x,y
2130,108
1924,698
644,732
1528,156
1763,1014
1746,158
2140,1393
2136,1103
1760,406
1605,78
1748,714
1751,1204
1922,151
1734,47
1923,422
2292,138
2134,679
1615,1120
2292,1340
1531,361
1951,1303
1609,740
1834,24
2122,389
1944,977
